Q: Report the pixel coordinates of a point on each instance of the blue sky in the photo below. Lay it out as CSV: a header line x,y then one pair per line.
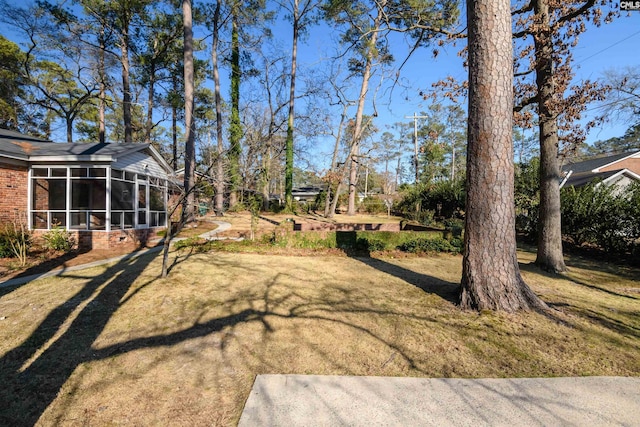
x,y
611,46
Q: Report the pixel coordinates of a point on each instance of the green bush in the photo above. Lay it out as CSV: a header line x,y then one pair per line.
x,y
374,205
422,245
5,245
58,239
602,215
444,199
527,197
15,241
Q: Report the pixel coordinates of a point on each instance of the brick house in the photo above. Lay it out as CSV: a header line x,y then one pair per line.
x,y
105,194
617,169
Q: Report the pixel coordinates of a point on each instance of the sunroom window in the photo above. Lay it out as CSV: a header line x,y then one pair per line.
x,y
78,197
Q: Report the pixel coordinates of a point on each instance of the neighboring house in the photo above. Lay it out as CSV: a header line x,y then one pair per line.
x,y
306,194
106,194
618,169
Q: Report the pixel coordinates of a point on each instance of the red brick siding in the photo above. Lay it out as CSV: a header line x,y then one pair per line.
x,y
13,191
632,164
131,238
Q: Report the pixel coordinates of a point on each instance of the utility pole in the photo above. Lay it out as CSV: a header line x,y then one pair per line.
x,y
415,118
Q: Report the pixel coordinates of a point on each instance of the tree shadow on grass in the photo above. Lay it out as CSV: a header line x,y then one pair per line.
x,y
532,268
446,290
347,240
33,373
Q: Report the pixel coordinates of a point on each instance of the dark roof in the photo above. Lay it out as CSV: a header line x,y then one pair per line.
x,y
6,134
591,164
27,149
583,178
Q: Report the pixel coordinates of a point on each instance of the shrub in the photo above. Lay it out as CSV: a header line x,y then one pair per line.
x,y
15,241
527,197
443,199
58,239
374,205
602,215
421,245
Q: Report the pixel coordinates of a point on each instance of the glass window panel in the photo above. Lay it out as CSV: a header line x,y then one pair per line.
x,y
58,219
39,220
98,194
122,195
130,176
156,199
80,194
142,218
49,194
57,194
142,177
98,172
116,220
79,172
116,174
59,172
142,196
97,220
40,194
89,194
40,172
128,220
153,219
78,220
162,221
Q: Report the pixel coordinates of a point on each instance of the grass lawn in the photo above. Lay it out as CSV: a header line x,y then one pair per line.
x,y
118,345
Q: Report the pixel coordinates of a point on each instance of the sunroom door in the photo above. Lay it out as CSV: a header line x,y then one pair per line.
x,y
143,205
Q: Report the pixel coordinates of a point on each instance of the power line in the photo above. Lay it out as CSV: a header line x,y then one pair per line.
x,y
607,48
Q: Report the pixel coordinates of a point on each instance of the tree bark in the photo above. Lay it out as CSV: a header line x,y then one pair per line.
x,y
151,93
491,277
102,95
126,87
190,152
357,130
235,131
219,171
288,174
549,254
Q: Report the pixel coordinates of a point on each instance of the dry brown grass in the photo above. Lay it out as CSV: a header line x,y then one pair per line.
x,y
116,344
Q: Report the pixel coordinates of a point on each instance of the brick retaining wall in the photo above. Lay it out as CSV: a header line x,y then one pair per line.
x,y
305,226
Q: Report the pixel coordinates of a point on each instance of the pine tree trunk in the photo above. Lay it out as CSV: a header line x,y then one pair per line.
x,y
126,89
102,95
288,186
219,171
491,277
549,256
189,214
235,130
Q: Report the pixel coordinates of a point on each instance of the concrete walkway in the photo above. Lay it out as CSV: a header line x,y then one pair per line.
x,y
209,235
301,400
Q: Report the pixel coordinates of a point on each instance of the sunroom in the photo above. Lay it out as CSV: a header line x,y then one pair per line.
x,y
106,194
95,198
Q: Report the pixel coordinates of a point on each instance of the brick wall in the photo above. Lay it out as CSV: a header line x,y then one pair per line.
x,y
13,192
130,239
633,164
